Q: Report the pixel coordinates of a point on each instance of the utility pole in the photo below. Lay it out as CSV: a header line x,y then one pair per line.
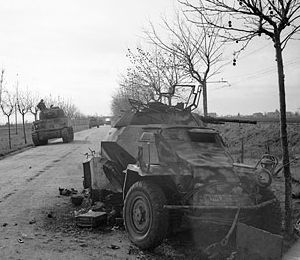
x,y
1,84
17,100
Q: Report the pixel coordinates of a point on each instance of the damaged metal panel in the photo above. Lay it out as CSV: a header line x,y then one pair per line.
x,y
94,176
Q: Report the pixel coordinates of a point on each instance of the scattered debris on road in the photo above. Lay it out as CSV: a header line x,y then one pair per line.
x,y
91,219
113,247
67,192
77,199
50,215
32,221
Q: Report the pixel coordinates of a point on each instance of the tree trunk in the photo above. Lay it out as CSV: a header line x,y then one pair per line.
x,y
24,131
284,138
16,118
204,98
9,135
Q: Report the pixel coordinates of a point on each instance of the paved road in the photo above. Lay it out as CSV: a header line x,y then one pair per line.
x,y
29,183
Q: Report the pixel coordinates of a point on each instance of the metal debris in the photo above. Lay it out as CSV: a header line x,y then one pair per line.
x,y
297,226
113,247
77,199
67,192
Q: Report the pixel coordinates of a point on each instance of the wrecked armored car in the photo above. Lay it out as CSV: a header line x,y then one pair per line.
x,y
170,168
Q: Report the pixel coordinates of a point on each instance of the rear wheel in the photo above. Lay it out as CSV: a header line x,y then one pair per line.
x,y
146,221
65,135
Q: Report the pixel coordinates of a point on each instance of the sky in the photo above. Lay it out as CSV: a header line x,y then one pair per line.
x,y
77,50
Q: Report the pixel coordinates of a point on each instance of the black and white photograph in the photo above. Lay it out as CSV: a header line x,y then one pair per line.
x,y
150,130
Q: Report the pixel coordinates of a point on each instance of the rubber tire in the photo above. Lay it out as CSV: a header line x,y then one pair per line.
x,y
65,135
270,217
35,139
43,142
71,134
158,219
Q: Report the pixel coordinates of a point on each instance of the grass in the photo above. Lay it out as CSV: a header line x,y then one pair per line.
x,y
258,137
17,139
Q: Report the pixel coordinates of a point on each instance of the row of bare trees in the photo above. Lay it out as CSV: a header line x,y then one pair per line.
x,y
190,48
22,102
182,53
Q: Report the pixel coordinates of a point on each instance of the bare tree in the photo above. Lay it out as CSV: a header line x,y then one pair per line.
x,y
246,19
7,107
69,108
1,84
33,100
196,47
120,103
153,74
24,105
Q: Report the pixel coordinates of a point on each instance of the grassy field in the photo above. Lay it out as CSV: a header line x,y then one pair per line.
x,y
258,138
17,139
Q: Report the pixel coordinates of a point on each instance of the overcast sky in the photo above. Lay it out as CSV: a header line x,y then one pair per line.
x,y
76,49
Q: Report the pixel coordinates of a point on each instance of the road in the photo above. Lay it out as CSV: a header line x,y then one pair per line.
x,y
37,223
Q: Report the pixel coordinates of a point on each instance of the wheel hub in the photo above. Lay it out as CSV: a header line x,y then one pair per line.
x,y
140,215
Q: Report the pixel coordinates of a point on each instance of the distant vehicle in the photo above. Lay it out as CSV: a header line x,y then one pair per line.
x,y
107,121
53,123
94,122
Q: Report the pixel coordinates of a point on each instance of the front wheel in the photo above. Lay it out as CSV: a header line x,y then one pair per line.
x,y
65,135
145,218
35,139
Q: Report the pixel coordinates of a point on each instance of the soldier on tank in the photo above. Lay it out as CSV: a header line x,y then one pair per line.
x,y
41,105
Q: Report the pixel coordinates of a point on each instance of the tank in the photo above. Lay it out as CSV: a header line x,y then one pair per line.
x,y
94,121
169,168
52,123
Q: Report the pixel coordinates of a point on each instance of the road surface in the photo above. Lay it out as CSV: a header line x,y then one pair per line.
x,y
37,223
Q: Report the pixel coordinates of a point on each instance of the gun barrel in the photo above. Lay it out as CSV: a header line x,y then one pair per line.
x,y
222,120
